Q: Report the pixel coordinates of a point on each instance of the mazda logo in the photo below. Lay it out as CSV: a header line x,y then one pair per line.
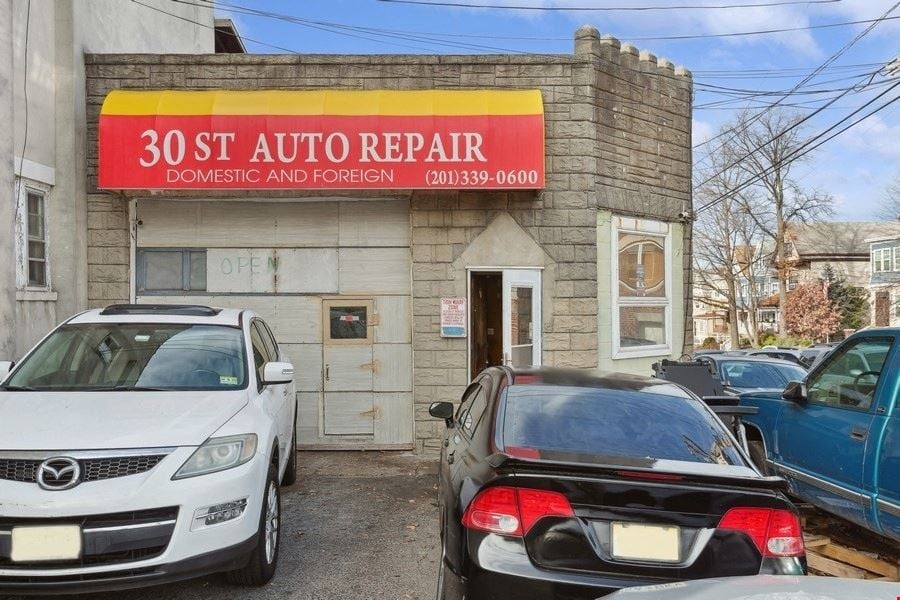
x,y
59,473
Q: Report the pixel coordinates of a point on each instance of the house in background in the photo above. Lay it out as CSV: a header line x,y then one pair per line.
x,y
884,280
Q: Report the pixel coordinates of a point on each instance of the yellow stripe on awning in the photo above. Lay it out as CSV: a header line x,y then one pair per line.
x,y
325,102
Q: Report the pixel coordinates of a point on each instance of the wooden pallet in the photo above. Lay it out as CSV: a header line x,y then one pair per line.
x,y
827,557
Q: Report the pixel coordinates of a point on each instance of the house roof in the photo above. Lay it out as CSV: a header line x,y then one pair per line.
x,y
848,239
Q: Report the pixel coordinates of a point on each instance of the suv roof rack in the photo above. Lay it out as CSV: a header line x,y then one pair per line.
x,y
183,310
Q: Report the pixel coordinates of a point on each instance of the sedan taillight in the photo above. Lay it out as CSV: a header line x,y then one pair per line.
x,y
514,511
776,532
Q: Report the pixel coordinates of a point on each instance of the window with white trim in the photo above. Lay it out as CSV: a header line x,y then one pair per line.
x,y
896,258
31,239
642,298
881,260
36,235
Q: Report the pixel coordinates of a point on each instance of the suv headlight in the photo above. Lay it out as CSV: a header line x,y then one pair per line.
x,y
218,454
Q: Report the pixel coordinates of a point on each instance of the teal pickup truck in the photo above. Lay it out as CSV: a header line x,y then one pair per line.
x,y
835,436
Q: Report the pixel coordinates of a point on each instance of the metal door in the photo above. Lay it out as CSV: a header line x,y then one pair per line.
x,y
348,359
521,317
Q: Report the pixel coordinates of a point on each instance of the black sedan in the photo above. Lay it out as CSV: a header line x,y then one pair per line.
x,y
561,484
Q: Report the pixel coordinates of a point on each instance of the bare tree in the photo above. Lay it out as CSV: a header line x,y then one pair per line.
x,y
890,208
764,149
725,234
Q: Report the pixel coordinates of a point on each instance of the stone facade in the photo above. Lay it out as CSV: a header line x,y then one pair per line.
x,y
618,139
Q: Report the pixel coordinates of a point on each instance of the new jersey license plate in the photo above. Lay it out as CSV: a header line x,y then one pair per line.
x,y
53,542
635,541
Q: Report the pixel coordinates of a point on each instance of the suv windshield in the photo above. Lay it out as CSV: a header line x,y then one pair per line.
x,y
616,424
135,356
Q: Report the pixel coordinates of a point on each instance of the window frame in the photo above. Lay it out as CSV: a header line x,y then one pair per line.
x,y
23,187
140,274
879,257
895,256
834,356
648,228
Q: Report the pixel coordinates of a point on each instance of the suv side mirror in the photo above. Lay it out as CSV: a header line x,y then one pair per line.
x,y
5,367
277,372
795,391
442,410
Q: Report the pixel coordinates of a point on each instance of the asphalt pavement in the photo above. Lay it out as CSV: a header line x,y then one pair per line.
x,y
357,525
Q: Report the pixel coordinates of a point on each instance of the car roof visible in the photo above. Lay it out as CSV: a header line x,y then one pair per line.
x,y
595,379
225,316
751,358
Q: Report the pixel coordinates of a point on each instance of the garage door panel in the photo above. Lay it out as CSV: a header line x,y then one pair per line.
x,y
370,223
240,270
308,411
293,319
394,317
307,361
213,224
393,371
349,413
308,271
393,418
375,271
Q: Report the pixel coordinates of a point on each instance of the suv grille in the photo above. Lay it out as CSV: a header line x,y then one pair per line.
x,y
109,539
94,469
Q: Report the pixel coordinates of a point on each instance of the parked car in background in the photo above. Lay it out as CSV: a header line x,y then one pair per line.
x,y
835,434
559,483
763,587
790,355
740,374
817,354
143,444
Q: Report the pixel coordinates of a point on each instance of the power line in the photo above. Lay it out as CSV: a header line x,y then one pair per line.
x,y
809,77
271,14
810,145
445,3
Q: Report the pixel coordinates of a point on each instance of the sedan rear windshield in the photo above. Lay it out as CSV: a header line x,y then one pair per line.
x,y
617,426
135,356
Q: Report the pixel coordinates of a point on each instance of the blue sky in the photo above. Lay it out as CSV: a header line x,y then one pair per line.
x,y
854,168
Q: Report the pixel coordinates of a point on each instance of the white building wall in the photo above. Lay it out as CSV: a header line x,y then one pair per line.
x,y
45,80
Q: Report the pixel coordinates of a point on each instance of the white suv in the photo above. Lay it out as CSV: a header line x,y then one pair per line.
x,y
143,444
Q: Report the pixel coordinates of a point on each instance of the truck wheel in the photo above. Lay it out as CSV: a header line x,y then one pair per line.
x,y
758,455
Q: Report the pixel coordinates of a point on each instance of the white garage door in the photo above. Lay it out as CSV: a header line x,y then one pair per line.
x,y
300,265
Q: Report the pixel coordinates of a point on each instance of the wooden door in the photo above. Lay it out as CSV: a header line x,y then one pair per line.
x,y
882,309
348,360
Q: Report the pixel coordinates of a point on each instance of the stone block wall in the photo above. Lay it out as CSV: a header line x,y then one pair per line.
x,y
617,138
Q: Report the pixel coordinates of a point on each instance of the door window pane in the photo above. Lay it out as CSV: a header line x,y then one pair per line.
x,y
850,377
521,313
642,326
642,266
198,271
348,322
162,270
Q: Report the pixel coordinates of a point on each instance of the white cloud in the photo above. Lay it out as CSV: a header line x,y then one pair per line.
x,y
875,137
701,131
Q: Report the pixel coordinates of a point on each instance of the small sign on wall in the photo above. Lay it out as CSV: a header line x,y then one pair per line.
x,y
454,317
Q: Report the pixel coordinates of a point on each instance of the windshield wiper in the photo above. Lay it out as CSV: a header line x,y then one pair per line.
x,y
18,388
124,388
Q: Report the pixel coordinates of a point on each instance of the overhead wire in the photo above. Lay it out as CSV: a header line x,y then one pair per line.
x,y
658,7
809,145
